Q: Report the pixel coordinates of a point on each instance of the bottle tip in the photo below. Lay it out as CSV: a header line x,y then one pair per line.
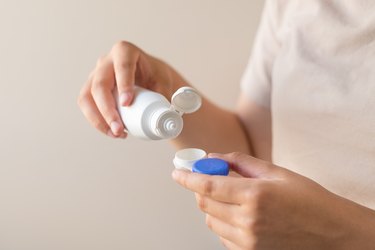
x,y
170,125
167,124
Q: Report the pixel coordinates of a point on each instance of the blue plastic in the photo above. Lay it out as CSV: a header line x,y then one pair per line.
x,y
211,166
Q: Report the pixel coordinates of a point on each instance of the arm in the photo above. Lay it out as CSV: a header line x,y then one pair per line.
x,y
214,129
211,128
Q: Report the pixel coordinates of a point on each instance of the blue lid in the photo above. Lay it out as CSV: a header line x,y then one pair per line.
x,y
211,166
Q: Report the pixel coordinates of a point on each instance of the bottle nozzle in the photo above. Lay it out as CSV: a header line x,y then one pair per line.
x,y
167,124
170,125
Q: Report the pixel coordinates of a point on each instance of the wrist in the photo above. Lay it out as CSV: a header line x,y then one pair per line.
x,y
358,227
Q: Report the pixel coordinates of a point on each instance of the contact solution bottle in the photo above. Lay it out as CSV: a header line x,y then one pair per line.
x,y
152,117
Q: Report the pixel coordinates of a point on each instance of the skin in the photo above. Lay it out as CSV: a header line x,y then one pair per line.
x,y
270,207
260,205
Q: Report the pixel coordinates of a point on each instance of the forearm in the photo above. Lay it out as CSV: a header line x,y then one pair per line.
x,y
359,226
214,130
211,128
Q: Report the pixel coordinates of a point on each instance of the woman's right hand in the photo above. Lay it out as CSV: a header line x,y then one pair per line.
x,y
123,67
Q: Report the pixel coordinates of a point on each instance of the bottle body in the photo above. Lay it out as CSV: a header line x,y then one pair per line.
x,y
150,116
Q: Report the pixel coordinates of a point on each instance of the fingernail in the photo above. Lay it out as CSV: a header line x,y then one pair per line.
x,y
116,128
110,134
125,98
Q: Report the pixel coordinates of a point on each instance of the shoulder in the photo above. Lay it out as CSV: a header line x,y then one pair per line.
x,y
277,12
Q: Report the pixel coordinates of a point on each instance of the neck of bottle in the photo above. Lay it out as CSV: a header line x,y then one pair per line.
x,y
166,123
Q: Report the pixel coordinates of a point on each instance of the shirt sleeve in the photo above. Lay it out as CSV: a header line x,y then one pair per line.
x,y
256,81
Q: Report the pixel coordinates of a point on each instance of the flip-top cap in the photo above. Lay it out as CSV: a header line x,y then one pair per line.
x,y
211,166
186,100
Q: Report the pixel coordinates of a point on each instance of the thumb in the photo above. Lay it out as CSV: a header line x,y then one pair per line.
x,y
246,165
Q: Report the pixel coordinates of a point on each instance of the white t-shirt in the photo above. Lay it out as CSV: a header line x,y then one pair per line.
x,y
313,65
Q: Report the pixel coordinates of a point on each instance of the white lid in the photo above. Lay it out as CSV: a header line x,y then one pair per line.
x,y
185,158
186,100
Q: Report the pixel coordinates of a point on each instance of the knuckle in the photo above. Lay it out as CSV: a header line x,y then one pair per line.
x,y
248,224
125,64
209,222
81,99
208,187
261,193
250,242
248,196
108,113
99,125
98,85
268,165
121,45
257,194
240,157
282,173
100,60
236,155
202,203
223,242
247,211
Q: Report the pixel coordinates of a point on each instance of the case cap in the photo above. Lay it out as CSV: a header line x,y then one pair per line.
x,y
186,100
185,158
211,166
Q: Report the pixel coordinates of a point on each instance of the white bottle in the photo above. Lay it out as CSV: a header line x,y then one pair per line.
x,y
152,117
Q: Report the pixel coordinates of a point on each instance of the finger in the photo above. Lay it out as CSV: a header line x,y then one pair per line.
x,y
221,188
229,245
101,90
224,230
125,57
246,165
91,112
226,212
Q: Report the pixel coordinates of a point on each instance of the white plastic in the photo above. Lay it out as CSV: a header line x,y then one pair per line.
x,y
185,158
152,117
186,100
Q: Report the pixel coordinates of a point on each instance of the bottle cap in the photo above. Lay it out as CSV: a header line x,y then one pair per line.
x,y
211,166
186,100
185,158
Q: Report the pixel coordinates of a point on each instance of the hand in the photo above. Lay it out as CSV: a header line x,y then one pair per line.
x,y
125,66
270,207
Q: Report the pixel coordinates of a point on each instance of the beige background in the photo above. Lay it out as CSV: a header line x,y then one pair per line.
x,y
62,184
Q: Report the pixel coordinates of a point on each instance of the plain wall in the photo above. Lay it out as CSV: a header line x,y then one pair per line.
x,y
62,184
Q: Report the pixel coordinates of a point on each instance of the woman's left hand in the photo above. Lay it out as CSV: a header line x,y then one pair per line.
x,y
270,207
